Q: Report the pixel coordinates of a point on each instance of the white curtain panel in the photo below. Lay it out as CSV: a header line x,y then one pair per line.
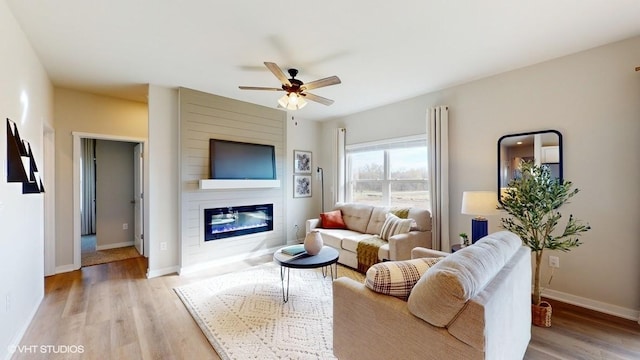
x,y
88,213
340,158
438,144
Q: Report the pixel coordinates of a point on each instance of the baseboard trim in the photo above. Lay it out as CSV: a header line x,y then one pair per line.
x,y
65,268
162,272
595,305
114,246
17,338
182,270
231,259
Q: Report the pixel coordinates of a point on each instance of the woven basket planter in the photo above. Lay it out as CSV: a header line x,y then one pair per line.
x,y
541,314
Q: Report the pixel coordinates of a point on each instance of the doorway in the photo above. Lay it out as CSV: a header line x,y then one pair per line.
x,y
113,200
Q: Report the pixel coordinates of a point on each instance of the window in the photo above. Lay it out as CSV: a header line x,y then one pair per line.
x,y
391,173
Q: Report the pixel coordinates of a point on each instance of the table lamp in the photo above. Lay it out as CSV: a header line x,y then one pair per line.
x,y
479,204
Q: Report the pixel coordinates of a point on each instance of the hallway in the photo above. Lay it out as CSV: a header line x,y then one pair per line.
x,y
91,256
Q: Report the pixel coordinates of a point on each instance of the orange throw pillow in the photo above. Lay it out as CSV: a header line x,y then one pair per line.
x,y
332,220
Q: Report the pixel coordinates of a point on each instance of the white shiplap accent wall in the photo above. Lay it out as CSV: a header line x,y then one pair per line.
x,y
202,117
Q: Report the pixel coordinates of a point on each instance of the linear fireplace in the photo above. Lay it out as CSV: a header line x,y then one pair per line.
x,y
224,222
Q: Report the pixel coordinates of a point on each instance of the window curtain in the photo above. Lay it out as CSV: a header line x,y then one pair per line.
x,y
438,148
340,158
88,212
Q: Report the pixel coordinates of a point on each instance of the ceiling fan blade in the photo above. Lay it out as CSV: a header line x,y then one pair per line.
x,y
318,99
259,88
331,80
275,69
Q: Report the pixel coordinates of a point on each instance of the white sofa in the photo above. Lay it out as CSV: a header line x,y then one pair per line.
x,y
473,304
362,221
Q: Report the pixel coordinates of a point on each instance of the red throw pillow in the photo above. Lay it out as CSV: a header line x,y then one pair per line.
x,y
332,220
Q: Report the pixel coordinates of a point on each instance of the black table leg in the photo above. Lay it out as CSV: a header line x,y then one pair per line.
x,y
331,266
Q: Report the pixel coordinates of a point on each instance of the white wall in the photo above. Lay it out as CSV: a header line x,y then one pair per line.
x,y
303,134
86,113
593,99
26,97
162,162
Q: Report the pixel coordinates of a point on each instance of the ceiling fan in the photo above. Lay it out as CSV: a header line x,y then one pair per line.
x,y
296,89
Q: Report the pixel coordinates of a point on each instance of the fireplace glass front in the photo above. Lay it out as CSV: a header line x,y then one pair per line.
x,y
224,222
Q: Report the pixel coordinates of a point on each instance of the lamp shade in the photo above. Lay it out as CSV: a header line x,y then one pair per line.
x,y
479,203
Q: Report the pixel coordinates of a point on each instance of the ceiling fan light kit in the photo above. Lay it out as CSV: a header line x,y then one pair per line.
x,y
296,89
292,101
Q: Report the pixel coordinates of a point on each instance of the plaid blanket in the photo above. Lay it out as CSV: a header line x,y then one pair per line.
x,y
367,252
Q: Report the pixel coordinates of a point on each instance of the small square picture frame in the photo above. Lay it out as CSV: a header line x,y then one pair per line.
x,y
301,186
302,162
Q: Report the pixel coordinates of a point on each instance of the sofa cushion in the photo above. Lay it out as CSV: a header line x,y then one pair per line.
x,y
356,216
332,220
402,213
444,290
335,237
393,225
350,243
378,216
397,278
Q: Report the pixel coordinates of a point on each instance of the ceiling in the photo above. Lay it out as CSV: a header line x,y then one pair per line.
x,y
383,51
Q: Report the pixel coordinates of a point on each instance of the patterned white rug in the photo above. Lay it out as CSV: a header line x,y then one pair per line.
x,y
243,316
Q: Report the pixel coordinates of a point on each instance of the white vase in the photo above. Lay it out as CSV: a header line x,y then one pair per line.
x,y
313,243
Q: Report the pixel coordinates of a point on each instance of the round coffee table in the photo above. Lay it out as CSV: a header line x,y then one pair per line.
x,y
325,258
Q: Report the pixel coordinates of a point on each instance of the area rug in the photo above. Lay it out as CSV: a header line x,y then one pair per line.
x,y
243,316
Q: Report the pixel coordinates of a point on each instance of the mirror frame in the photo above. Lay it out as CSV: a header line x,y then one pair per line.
x,y
560,155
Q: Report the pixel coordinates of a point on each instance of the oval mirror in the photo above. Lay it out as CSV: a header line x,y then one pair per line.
x,y
541,147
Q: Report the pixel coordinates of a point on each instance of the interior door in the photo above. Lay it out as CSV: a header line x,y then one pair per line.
x,y
138,207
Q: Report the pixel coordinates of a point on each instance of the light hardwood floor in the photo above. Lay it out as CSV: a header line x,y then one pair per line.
x,y
114,312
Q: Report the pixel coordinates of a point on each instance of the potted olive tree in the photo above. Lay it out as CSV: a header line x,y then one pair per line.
x,y
533,201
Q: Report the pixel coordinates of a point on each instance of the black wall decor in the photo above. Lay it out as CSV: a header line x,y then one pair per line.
x,y
21,166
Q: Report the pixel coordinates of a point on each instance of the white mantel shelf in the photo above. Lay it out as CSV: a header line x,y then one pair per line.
x,y
212,184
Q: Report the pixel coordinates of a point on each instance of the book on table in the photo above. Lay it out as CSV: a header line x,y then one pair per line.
x,y
293,249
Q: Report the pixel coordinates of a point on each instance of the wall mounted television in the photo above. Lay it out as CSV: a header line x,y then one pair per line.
x,y
241,161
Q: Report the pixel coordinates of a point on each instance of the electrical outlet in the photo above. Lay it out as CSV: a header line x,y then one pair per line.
x,y
125,226
554,261
163,246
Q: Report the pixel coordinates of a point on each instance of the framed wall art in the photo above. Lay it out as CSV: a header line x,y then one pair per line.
x,y
301,186
301,162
